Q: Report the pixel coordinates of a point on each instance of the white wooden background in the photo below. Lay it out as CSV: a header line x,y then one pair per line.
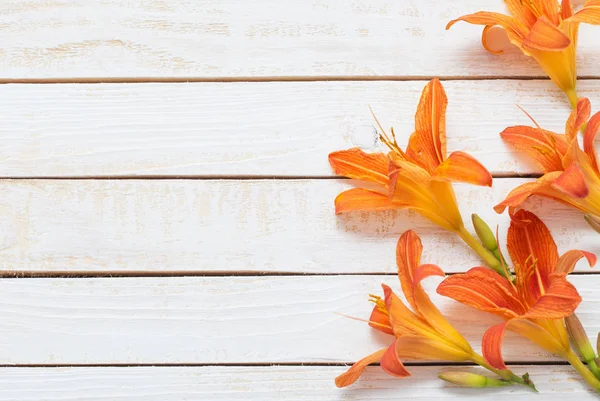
x,y
166,217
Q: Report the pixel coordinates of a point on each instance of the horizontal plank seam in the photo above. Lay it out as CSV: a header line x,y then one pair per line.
x,y
266,364
125,80
116,274
217,177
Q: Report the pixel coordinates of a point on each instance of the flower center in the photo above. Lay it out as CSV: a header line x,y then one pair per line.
x,y
379,303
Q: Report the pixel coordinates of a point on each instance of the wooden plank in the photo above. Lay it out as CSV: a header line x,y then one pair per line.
x,y
302,383
233,226
219,320
251,129
262,38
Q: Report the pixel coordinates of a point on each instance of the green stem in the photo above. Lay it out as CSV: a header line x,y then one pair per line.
x,y
505,374
594,368
579,366
483,253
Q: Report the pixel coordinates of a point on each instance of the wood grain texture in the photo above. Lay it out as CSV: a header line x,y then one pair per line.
x,y
181,320
234,226
260,38
273,383
251,129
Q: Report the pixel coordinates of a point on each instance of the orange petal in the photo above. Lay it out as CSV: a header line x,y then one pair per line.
x,y
403,320
483,289
391,364
578,118
352,374
589,136
380,321
522,14
354,163
545,147
427,145
514,28
425,271
428,349
566,263
590,14
520,194
529,241
461,167
546,36
550,9
491,345
566,9
537,334
362,199
560,300
572,182
408,258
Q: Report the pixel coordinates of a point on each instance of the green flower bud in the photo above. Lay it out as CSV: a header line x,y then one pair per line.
x,y
466,379
484,233
593,221
579,338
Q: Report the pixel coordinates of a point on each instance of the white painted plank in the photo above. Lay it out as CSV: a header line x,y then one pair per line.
x,y
260,38
272,383
233,225
251,129
180,320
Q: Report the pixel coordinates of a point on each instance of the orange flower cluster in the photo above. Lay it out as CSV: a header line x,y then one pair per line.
x,y
534,297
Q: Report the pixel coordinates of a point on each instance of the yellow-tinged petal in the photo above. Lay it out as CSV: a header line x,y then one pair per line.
x,y
578,118
352,374
461,167
550,9
403,320
408,259
572,182
566,263
446,201
427,145
589,136
391,364
421,348
354,163
520,13
362,199
590,14
520,194
546,36
514,28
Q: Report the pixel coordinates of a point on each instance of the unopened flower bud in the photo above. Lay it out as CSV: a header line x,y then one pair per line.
x,y
466,379
580,340
593,221
484,233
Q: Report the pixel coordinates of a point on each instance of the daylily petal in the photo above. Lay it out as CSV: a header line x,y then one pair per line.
x,y
545,147
491,346
408,257
354,163
421,348
380,321
566,9
566,263
403,320
425,271
521,13
578,118
485,290
590,14
589,136
495,39
550,9
514,29
352,374
529,242
546,36
427,145
362,199
572,182
461,167
559,300
391,364
520,194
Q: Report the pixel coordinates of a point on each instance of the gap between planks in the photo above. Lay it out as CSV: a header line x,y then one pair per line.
x,y
140,80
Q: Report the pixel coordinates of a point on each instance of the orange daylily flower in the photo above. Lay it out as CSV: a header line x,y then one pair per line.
x,y
421,333
536,302
418,178
545,30
571,175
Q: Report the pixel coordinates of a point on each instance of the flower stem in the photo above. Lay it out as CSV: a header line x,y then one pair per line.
x,y
483,253
587,375
572,95
505,374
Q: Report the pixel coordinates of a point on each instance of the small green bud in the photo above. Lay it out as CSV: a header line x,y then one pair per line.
x,y
579,338
593,221
598,344
484,233
466,379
